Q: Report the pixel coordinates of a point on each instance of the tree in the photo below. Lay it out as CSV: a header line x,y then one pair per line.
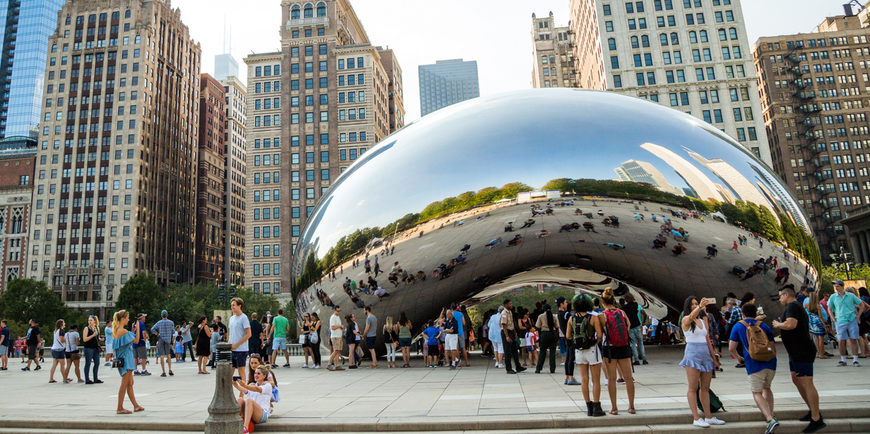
x,y
26,299
141,294
257,302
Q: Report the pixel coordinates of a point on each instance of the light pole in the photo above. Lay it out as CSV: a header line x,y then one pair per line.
x,y
223,412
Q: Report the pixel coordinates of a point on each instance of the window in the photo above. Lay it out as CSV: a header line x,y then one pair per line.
x,y
634,43
606,10
611,43
617,81
614,62
664,39
608,26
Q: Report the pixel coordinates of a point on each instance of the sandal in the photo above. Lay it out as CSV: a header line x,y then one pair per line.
x,y
170,373
139,409
124,411
53,381
614,412
632,411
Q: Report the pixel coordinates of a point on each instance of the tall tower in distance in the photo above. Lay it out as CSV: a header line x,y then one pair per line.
x,y
224,64
447,82
552,54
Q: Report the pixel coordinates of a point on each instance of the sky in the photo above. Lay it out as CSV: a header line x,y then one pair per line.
x,y
495,33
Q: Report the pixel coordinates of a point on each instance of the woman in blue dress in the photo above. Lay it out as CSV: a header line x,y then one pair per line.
x,y
123,340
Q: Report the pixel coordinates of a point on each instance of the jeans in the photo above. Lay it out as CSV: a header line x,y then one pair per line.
x,y
315,353
563,349
636,344
548,343
569,358
391,352
510,350
185,347
92,355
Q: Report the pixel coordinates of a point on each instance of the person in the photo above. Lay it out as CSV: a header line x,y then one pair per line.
x,y
795,333
21,349
699,359
451,340
122,342
352,336
255,343
71,349
565,346
187,342
495,337
58,353
257,403
711,251
760,373
239,333
585,332
179,347
164,329
5,344
280,324
635,330
842,308
314,339
403,328
34,342
371,334
390,342
336,331
547,324
202,347
616,350
139,350
464,327
818,319
110,352
509,337
431,334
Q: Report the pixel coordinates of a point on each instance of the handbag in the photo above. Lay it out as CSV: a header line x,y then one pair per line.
x,y
117,362
314,337
75,356
301,339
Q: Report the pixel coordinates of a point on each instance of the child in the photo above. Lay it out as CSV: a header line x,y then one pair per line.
x,y
179,349
19,349
532,346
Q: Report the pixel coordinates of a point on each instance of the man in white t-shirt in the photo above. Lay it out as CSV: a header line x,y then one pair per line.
x,y
240,332
336,331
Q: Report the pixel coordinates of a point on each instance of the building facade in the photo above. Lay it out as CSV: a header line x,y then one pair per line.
x,y
447,82
335,87
235,167
25,26
117,157
17,161
690,55
211,177
552,54
225,65
814,97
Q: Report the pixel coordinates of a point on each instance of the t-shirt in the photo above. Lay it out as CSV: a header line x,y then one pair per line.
x,y
845,308
7,335
738,333
494,332
109,337
563,316
254,341
334,321
451,325
458,316
142,340
57,345
281,325
33,335
71,344
185,337
432,335
263,398
632,310
238,325
372,324
797,341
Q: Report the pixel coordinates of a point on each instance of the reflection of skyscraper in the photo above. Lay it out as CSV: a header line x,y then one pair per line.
x,y
725,193
622,174
731,177
693,176
641,171
778,196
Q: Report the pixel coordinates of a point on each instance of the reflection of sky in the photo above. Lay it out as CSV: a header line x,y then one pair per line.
x,y
529,136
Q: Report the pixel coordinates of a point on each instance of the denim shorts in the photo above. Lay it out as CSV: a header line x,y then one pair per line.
x,y
279,344
58,354
404,342
370,342
265,416
847,330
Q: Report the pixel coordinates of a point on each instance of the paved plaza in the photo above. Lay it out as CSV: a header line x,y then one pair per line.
x,y
312,398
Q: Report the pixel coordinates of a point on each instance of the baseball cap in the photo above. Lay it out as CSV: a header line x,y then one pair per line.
x,y
164,313
141,315
839,282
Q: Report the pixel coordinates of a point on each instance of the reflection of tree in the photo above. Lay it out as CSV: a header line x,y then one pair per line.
x,y
470,199
625,190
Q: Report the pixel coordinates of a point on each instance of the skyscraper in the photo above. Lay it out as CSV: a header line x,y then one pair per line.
x,y
742,187
813,93
447,82
225,66
24,31
552,55
235,190
211,177
335,86
703,187
117,159
642,171
690,55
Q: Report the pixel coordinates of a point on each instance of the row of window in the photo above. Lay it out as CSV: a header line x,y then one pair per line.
x,y
267,231
267,143
267,195
351,79
309,100
267,213
308,50
267,250
320,32
309,157
270,120
309,175
266,87
265,71
309,140
351,63
309,194
266,177
268,287
631,7
268,269
267,160
267,103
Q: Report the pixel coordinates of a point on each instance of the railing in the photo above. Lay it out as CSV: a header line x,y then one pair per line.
x,y
294,349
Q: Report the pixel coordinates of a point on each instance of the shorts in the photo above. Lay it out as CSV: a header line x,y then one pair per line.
x,y
801,369
337,344
279,344
433,350
847,330
617,353
163,348
498,347
31,352
265,417
590,357
451,342
761,380
370,342
239,359
140,353
461,341
404,342
4,350
58,354
109,349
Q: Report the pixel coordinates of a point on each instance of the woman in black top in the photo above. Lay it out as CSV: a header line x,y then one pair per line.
x,y
91,340
306,344
351,336
202,347
315,346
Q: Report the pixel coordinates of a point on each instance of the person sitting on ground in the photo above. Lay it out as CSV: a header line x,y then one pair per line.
x,y
565,228
711,251
543,233
493,243
381,293
515,240
257,403
589,226
678,249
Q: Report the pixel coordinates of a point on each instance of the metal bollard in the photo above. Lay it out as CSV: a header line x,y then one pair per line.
x,y
223,412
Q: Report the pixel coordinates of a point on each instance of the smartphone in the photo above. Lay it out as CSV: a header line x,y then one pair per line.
x,y
711,300
236,378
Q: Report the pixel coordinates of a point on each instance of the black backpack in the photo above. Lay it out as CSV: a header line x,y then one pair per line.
x,y
715,403
584,332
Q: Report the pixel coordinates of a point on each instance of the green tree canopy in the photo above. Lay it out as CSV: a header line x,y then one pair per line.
x,y
26,299
141,294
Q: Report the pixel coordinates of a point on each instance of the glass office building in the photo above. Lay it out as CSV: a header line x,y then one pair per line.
x,y
447,82
25,29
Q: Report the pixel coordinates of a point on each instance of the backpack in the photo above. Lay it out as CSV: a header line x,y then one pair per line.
x,y
616,328
584,332
715,402
760,348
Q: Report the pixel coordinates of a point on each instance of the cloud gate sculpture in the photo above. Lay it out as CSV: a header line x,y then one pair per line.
x,y
570,188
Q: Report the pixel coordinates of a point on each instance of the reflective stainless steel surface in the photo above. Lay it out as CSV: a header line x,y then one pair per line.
x,y
452,178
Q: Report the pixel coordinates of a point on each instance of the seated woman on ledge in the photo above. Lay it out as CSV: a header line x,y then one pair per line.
x,y
257,405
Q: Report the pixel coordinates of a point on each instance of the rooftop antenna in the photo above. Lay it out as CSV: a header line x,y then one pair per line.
x,y
230,50
224,38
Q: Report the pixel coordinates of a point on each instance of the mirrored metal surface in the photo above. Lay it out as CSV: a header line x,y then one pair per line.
x,y
572,188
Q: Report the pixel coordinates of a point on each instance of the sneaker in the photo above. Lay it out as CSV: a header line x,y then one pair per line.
x,y
856,364
330,367
316,367
305,366
81,381
286,365
145,373
352,367
700,423
645,362
89,382
771,426
636,363
815,425
338,368
841,364
572,382
452,367
137,373
36,368
107,364
25,369
740,365
807,417
511,372
714,421
620,380
521,369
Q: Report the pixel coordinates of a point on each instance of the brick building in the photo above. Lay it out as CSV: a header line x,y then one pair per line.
x,y
210,182
17,161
